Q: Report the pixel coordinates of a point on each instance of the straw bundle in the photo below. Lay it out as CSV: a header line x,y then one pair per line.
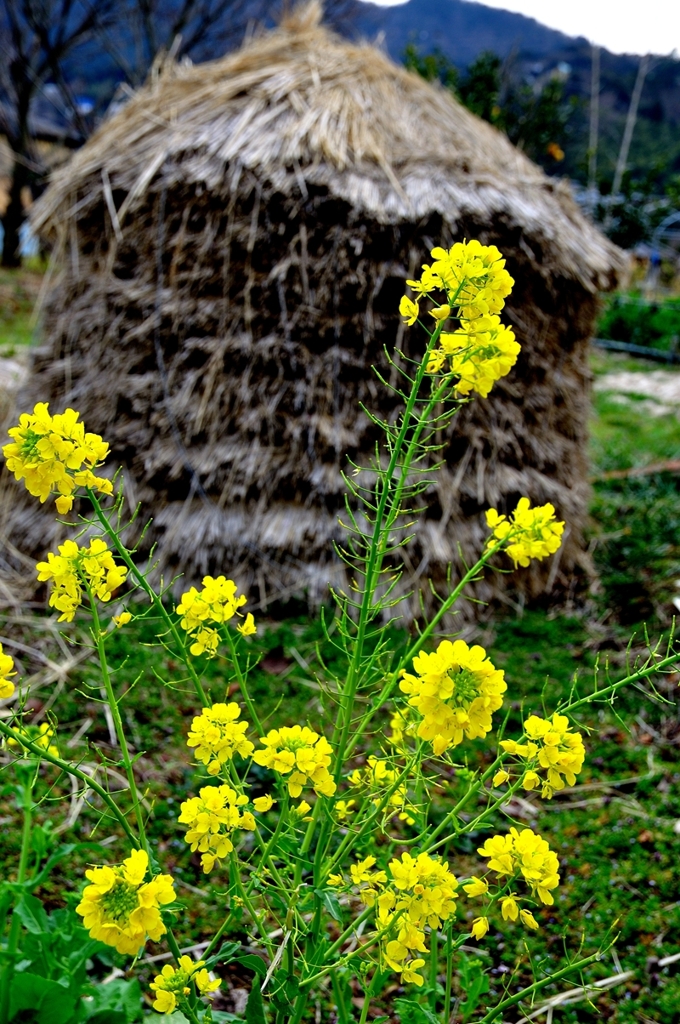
x,y
232,248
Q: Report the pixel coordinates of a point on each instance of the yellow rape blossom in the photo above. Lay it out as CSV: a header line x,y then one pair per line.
x,y
300,754
476,887
528,919
456,690
409,971
552,747
247,627
362,874
509,908
409,310
201,610
77,567
217,736
527,853
6,670
122,619
474,277
528,533
480,352
211,818
263,803
172,985
420,892
344,809
120,908
480,927
54,454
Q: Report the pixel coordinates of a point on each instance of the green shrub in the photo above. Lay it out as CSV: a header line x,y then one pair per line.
x,y
639,323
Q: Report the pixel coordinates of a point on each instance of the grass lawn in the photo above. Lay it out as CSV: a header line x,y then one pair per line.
x,y
19,291
617,834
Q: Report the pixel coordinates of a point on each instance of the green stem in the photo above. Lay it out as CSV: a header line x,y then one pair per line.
x,y
607,691
537,987
417,646
153,597
98,638
217,936
449,972
70,769
15,926
250,908
338,944
339,996
240,679
434,968
368,995
379,539
353,837
470,826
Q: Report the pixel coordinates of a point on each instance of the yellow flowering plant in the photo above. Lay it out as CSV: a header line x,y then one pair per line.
x,y
348,864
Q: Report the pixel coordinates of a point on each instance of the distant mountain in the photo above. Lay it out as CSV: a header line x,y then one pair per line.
x,y
532,52
460,29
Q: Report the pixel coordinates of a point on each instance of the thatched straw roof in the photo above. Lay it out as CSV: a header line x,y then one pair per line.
x,y
232,247
391,144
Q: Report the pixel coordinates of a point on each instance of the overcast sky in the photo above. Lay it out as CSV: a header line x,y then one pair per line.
x,y
623,26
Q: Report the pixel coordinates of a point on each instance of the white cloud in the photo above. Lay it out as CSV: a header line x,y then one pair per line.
x,y
623,26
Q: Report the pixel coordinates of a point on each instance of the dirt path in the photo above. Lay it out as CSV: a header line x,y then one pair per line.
x,y
661,389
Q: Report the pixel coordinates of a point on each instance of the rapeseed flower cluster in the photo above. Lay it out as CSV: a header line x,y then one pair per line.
x,y
420,892
375,778
217,736
528,533
480,352
54,454
550,746
300,754
211,818
173,984
475,282
456,690
120,908
472,275
6,670
201,610
77,567
528,854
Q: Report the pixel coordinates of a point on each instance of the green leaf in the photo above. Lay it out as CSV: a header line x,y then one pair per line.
x,y
330,902
31,913
177,1017
120,998
254,962
51,1002
108,1017
411,1012
255,1006
224,955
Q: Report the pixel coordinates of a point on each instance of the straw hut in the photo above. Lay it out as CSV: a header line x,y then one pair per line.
x,y
231,250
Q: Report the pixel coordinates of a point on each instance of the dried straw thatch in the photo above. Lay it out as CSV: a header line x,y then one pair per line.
x,y
232,249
